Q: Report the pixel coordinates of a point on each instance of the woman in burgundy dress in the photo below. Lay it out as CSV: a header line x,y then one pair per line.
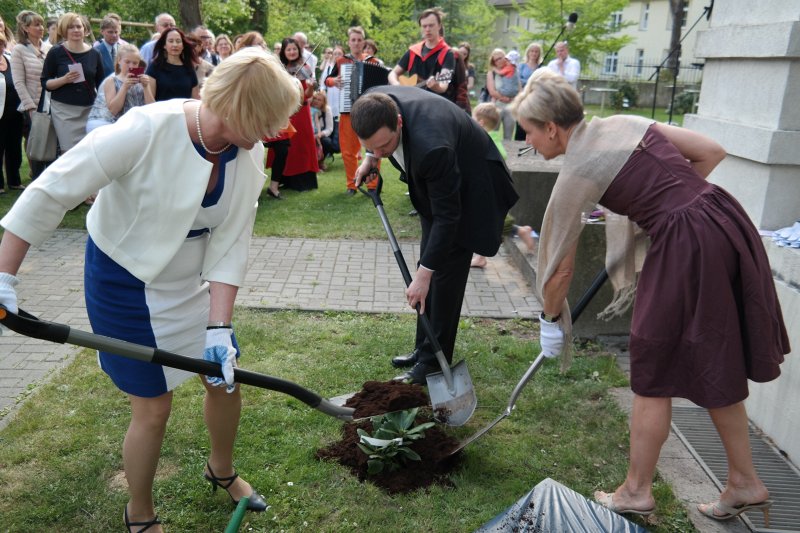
x,y
299,172
706,316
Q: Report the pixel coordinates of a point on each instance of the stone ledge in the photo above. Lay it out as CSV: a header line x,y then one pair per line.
x,y
776,40
757,144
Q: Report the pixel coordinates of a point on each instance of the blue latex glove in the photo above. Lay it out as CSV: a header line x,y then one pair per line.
x,y
220,350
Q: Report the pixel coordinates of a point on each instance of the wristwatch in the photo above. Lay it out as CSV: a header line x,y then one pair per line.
x,y
218,325
549,318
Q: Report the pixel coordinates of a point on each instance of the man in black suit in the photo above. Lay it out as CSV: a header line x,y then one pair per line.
x,y
460,186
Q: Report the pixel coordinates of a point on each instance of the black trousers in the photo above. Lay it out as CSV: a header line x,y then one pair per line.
x,y
443,303
11,146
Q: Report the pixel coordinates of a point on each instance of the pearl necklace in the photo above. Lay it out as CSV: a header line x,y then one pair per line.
x,y
200,135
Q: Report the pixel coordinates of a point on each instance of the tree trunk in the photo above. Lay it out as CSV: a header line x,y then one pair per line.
x,y
190,14
259,19
676,6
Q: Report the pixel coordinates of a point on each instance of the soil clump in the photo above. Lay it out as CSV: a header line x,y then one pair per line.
x,y
376,398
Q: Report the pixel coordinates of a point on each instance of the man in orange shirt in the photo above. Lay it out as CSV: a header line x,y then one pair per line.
x,y
348,141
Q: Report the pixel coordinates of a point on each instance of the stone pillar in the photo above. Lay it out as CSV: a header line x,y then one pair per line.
x,y
749,103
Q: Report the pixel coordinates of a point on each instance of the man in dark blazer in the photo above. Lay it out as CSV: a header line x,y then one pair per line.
x,y
459,185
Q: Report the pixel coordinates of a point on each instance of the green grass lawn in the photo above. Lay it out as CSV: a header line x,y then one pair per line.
x,y
61,464
60,457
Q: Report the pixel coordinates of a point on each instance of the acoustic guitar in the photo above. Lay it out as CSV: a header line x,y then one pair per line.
x,y
413,80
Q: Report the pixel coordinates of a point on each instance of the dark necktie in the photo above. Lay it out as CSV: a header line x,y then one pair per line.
x,y
113,53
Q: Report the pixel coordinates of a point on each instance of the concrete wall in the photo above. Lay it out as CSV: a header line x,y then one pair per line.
x,y
534,179
748,103
774,406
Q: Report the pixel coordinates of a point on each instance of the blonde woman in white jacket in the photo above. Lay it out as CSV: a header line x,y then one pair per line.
x,y
167,249
27,60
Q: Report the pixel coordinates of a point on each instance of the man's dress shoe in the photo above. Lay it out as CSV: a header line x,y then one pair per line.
x,y
405,360
417,374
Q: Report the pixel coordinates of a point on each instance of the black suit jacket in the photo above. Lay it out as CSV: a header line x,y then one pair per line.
x,y
457,179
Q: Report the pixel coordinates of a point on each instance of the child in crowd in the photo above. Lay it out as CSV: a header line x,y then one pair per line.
x,y
488,116
121,91
322,118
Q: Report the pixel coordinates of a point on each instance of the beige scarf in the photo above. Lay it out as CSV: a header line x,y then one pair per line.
x,y
595,154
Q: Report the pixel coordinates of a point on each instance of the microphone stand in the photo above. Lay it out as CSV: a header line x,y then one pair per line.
x,y
674,52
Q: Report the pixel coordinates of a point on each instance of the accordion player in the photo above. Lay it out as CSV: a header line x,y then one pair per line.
x,y
356,79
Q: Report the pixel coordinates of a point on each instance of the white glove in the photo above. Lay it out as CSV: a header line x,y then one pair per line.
x,y
551,338
219,349
8,296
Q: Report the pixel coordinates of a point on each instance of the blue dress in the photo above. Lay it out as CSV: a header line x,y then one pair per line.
x,y
170,313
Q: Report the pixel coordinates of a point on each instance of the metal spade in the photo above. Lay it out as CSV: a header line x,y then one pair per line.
x,y
452,394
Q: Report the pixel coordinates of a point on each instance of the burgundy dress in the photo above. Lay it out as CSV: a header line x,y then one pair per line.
x,y
706,316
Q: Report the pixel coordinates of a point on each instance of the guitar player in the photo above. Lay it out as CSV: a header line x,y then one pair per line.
x,y
430,61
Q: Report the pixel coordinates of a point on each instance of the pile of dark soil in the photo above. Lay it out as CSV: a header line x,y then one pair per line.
x,y
376,398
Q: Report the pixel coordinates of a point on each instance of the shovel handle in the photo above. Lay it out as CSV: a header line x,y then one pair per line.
x,y
401,262
26,324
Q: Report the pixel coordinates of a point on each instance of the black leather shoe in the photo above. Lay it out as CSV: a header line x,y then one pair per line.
x,y
256,502
416,375
406,360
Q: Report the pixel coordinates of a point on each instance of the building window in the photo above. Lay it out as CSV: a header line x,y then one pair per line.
x,y
639,61
685,14
610,63
645,16
616,21
507,23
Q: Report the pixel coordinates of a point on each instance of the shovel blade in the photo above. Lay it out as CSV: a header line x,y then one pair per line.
x,y
341,399
454,406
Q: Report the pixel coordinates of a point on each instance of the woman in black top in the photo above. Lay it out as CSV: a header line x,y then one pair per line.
x,y
172,68
10,122
72,71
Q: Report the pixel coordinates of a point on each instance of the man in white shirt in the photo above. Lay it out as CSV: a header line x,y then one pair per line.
x,y
164,22
565,65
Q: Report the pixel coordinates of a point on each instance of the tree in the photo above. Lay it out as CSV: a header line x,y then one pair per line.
x,y
593,35
190,15
676,8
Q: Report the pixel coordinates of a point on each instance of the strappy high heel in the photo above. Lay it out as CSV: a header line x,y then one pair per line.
x,y
147,525
729,512
256,502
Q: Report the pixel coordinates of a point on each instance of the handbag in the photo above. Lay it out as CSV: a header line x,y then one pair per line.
x,y
42,141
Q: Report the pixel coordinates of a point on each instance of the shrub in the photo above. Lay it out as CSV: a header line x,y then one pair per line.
x,y
625,91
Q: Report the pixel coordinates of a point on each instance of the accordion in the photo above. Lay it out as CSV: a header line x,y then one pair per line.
x,y
358,77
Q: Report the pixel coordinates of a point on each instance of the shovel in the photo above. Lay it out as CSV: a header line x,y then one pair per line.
x,y
598,282
30,326
452,394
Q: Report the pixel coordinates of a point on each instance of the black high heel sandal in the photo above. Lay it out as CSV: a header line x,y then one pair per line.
x,y
256,503
147,525
276,196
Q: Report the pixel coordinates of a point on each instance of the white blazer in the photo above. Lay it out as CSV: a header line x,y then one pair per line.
x,y
151,182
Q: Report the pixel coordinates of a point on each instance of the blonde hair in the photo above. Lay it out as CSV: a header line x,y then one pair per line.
x,y
125,49
321,94
533,46
495,52
64,22
26,18
548,97
488,115
356,29
235,91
